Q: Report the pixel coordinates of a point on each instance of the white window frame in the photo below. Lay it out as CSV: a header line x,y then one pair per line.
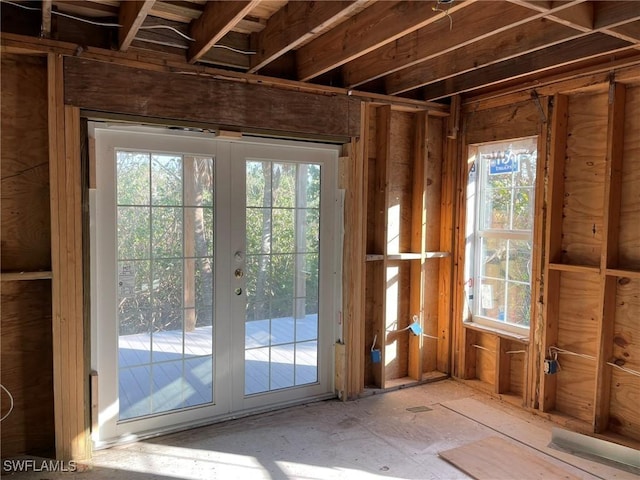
x,y
474,232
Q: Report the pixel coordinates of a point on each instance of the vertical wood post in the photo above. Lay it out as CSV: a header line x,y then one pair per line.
x,y
418,242
69,367
536,348
452,159
352,177
553,241
381,205
609,255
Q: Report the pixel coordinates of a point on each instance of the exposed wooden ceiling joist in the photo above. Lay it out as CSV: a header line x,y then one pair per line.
x,y
467,25
131,17
629,32
294,24
46,18
519,41
217,19
396,47
381,23
538,61
512,43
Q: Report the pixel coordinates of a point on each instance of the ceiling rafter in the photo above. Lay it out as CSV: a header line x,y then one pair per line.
x,y
381,23
131,17
45,29
579,49
629,31
217,19
294,24
425,73
534,35
470,24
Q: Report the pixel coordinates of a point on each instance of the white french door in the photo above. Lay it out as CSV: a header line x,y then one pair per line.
x,y
212,263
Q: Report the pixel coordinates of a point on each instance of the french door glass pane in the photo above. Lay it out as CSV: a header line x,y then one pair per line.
x,y
165,282
283,238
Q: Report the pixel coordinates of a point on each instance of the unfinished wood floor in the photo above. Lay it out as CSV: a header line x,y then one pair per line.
x,y
382,436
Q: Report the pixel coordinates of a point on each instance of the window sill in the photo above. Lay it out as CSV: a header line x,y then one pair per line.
x,y
496,331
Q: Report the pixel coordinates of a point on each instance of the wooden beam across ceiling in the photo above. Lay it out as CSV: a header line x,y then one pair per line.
x,y
566,53
629,32
131,17
294,24
519,39
46,19
217,19
470,24
512,43
377,25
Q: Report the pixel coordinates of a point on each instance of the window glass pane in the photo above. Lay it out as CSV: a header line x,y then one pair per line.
x,y
258,230
520,260
198,182
284,185
312,230
167,232
526,174
167,284
495,208
256,370
133,178
198,224
306,363
523,209
492,296
493,255
282,366
284,231
135,391
166,179
519,303
258,184
198,381
312,189
282,330
133,233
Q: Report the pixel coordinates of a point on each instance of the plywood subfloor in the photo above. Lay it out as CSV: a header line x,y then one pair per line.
x,y
381,436
485,460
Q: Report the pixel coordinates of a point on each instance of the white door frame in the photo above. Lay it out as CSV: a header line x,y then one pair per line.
x,y
229,163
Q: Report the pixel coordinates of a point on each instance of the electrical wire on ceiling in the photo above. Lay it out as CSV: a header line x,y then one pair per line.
x,y
61,14
436,8
167,27
144,27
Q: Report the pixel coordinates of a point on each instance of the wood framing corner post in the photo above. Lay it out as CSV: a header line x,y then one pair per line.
x,y
352,165
69,379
